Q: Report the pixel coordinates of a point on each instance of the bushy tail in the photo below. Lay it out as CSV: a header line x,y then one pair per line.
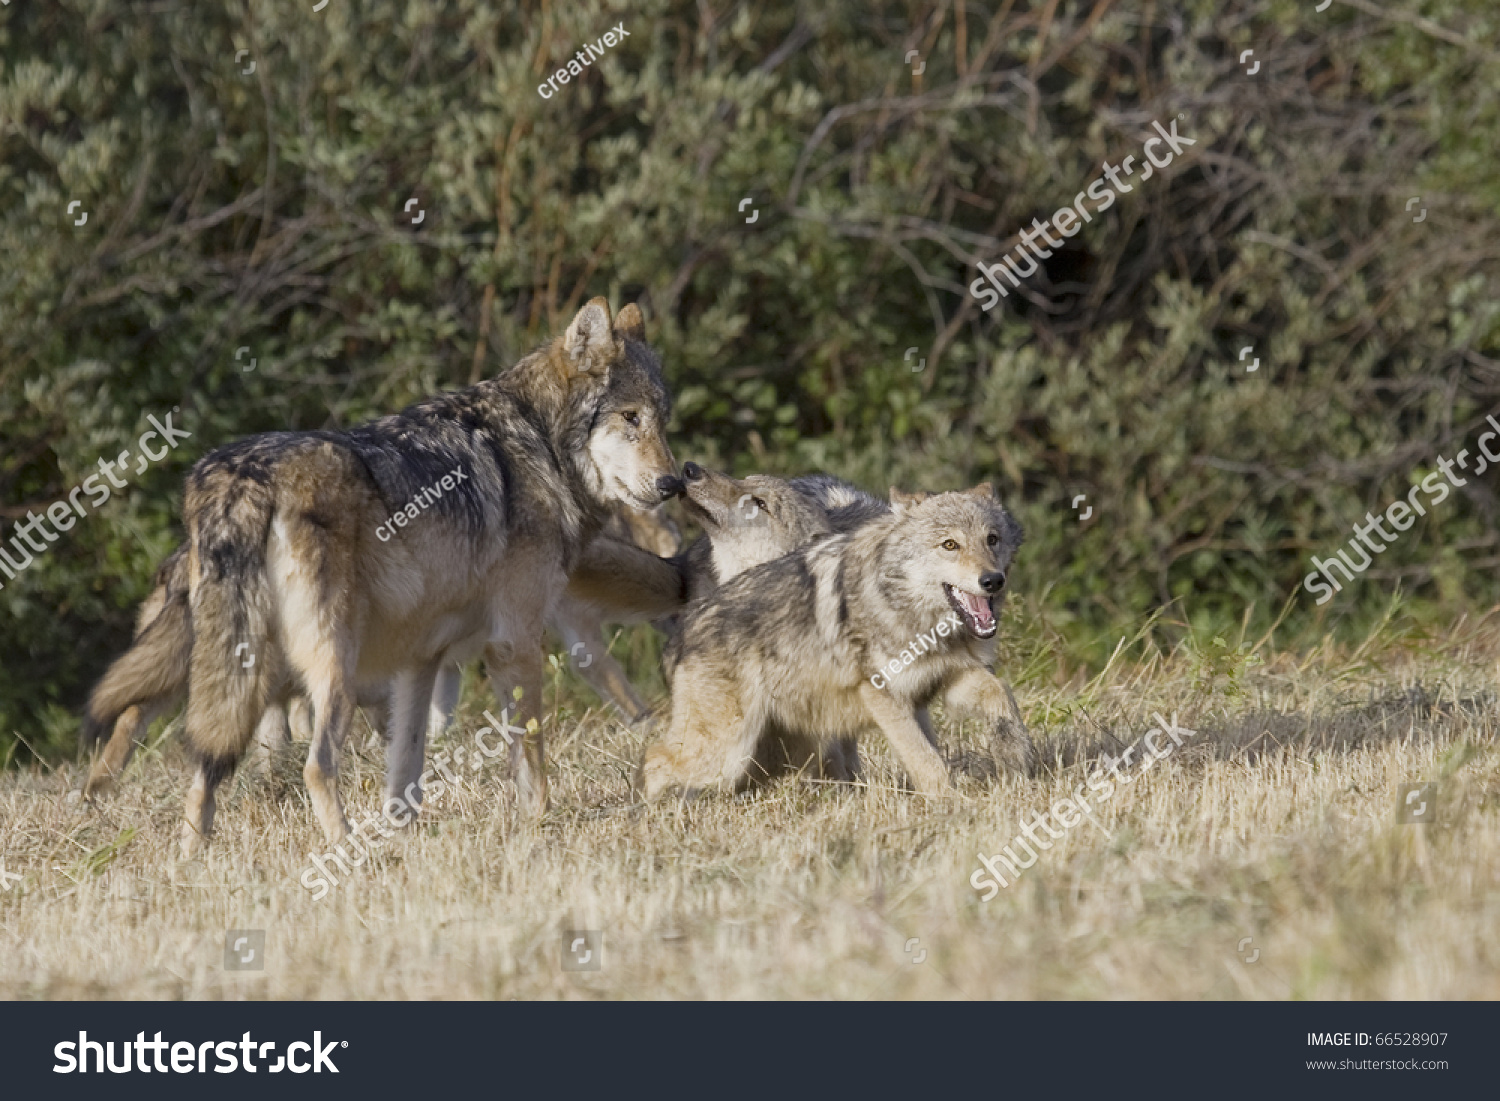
x,y
155,668
234,657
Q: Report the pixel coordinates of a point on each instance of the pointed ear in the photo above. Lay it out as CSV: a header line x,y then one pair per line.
x,y
985,491
589,339
630,324
901,500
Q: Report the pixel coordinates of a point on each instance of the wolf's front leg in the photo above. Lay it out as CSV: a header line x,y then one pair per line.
x,y
898,721
980,693
410,702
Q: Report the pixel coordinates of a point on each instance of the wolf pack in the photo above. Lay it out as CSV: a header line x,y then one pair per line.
x,y
327,571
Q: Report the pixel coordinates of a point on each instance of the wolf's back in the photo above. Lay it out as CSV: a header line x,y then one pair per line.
x,y
846,504
155,668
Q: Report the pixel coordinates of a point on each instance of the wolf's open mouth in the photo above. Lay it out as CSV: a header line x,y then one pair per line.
x,y
975,610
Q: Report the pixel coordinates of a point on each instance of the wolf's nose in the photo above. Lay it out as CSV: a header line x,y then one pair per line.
x,y
692,471
993,581
669,485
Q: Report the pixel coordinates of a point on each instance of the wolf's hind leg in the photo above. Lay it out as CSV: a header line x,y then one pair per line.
x,y
711,742
333,704
838,761
130,732
980,693
693,758
518,665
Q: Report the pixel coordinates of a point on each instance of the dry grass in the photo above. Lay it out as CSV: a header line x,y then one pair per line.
x,y
1278,822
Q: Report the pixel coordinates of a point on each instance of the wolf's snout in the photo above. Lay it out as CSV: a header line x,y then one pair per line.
x,y
669,485
993,581
692,471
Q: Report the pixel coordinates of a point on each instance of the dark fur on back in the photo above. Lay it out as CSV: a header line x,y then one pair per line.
x,y
518,427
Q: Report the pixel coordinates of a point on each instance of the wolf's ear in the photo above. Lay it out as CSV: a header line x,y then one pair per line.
x,y
630,324
901,500
985,491
590,339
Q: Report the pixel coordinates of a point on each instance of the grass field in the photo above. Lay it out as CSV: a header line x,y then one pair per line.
x,y
1276,822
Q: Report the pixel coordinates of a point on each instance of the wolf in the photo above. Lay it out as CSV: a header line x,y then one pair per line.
x,y
151,678
825,624
287,561
747,522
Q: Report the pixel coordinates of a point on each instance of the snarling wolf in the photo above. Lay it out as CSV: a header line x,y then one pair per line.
x,y
799,642
285,564
613,583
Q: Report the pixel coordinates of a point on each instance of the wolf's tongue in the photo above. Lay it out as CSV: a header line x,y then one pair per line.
x,y
978,607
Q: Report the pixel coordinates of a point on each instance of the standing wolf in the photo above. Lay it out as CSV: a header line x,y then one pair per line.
x,y
341,559
808,643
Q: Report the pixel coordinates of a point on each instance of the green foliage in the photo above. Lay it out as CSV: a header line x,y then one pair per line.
x,y
267,212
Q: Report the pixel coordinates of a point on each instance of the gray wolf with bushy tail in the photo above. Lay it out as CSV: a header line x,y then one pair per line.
x,y
336,560
854,632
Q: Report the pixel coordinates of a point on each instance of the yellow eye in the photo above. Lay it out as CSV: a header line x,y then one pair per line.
x,y
950,545
633,419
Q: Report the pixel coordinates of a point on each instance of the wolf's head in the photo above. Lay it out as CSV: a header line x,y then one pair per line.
x,y
751,520
615,387
955,550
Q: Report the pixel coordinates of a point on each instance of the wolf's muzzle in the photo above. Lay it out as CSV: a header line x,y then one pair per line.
x,y
692,471
993,581
669,486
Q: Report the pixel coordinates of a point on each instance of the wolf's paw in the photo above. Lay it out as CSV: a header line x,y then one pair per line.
x,y
1014,750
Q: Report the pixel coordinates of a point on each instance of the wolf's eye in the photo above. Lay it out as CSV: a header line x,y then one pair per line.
x,y
632,418
760,504
993,540
950,545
